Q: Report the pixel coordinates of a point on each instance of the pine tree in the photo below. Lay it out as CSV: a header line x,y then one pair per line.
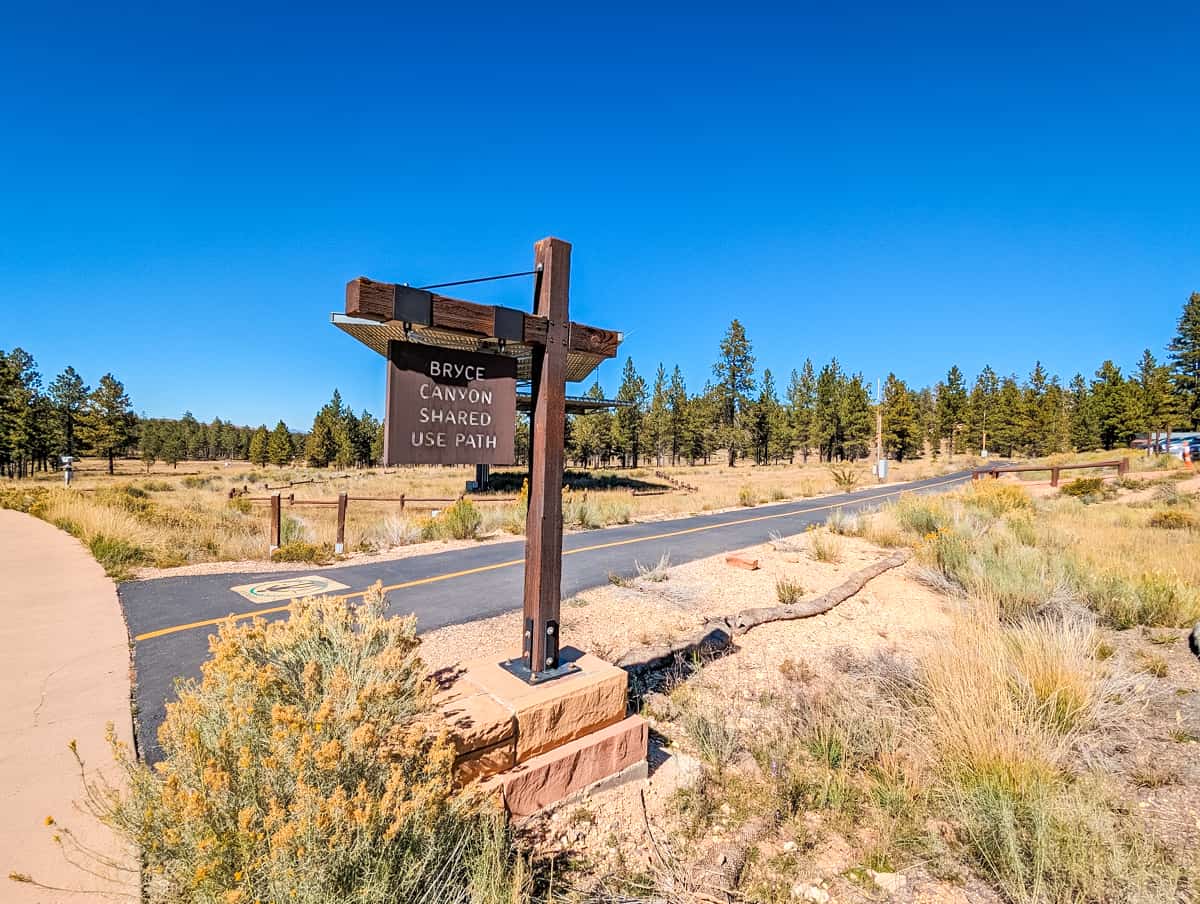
x,y
334,438
657,423
826,431
279,446
858,419
802,394
1153,401
951,407
591,433
173,447
1184,352
734,374
20,387
1011,423
980,404
258,446
629,421
150,443
69,394
677,414
368,430
902,437
1111,398
108,421
765,418
1085,431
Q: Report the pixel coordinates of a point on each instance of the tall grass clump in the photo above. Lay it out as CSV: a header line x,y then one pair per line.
x,y
847,477
996,567
921,515
1151,599
847,524
788,590
825,546
998,711
747,497
304,766
394,530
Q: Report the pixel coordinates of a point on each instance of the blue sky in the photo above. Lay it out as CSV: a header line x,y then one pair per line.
x,y
183,196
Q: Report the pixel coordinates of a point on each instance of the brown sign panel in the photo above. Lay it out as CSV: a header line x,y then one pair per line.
x,y
449,407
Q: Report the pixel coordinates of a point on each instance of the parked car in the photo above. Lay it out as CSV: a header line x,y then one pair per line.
x,y
1176,446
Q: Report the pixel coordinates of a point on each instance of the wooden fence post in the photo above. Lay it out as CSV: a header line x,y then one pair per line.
x,y
340,546
1054,477
1123,467
275,521
402,502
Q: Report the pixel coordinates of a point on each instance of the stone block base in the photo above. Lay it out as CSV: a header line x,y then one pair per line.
x,y
549,777
537,743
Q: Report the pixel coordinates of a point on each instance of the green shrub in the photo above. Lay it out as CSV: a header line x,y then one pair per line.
x,y
305,767
198,483
1173,519
1154,600
746,496
118,556
292,530
126,497
303,551
778,495
242,506
23,499
1022,529
157,486
788,591
460,521
847,477
997,498
920,515
1082,487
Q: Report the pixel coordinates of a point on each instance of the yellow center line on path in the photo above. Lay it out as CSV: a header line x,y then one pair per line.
x,y
451,575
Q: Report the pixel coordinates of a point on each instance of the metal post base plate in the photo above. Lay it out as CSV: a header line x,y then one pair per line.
x,y
518,668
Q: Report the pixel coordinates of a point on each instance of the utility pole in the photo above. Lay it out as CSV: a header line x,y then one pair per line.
x,y
878,423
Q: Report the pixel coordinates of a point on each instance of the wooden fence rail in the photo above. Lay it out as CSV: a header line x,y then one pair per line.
x,y
1121,464
342,502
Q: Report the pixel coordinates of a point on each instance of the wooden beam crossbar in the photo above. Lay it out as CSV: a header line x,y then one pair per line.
x,y
382,302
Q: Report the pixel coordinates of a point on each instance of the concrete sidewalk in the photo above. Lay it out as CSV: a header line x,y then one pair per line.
x,y
64,674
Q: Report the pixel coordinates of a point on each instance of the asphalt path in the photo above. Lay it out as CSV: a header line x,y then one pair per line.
x,y
171,619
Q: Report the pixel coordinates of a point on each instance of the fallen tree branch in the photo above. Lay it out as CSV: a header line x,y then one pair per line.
x,y
713,637
716,634
749,618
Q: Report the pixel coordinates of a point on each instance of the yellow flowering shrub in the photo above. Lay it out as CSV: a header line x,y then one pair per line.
x,y
305,767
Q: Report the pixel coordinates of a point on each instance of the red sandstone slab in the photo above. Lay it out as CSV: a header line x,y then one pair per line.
x,y
742,562
554,712
549,777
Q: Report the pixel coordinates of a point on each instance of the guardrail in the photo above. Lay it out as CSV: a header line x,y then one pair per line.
x,y
1121,464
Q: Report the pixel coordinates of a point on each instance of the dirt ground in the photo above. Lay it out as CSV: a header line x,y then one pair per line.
x,y
1155,761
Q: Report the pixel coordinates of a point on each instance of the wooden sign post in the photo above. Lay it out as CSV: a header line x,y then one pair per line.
x,y
547,425
452,367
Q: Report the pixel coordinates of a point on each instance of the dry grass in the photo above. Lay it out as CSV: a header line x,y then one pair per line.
x,y
184,516
825,545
